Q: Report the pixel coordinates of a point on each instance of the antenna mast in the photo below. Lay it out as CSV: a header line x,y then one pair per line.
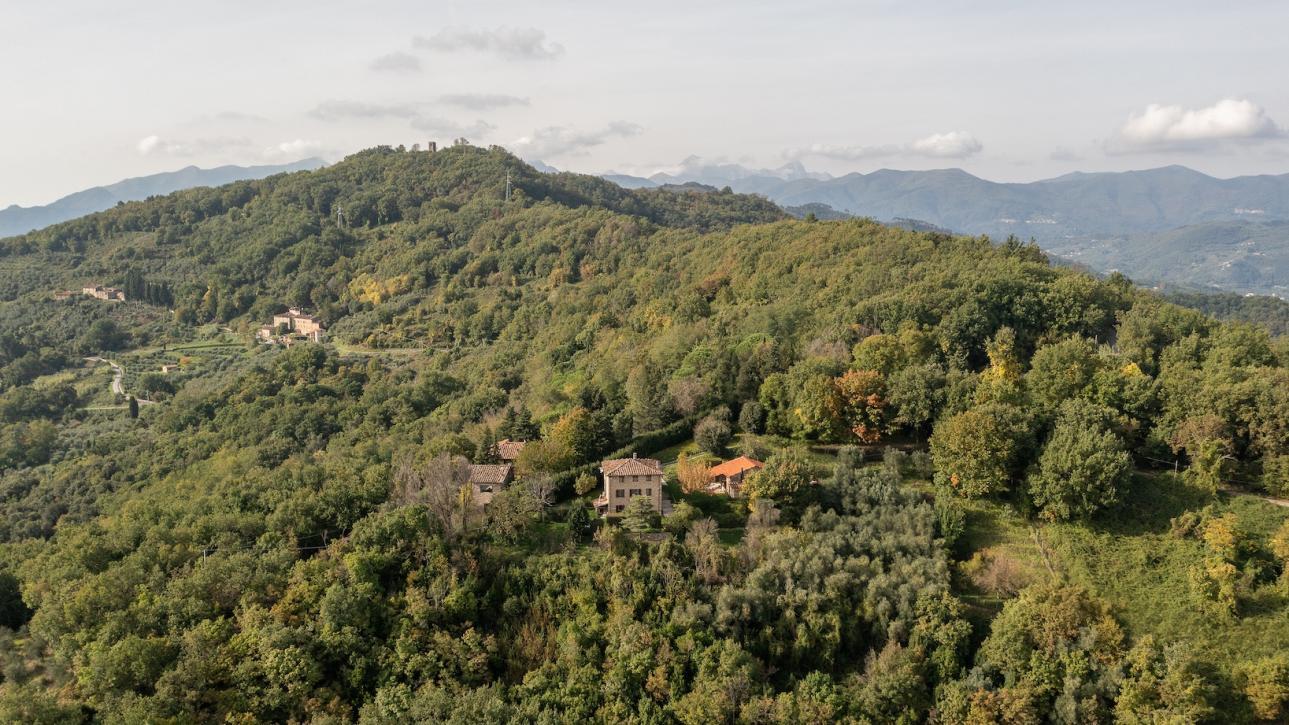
x,y
508,187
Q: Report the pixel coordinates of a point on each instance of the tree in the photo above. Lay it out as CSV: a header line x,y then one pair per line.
x,y
585,483
580,433
441,485
692,472
639,515
1266,684
133,406
713,435
781,481
580,523
978,452
1081,469
917,394
647,398
863,396
751,417
819,409
1162,685
541,488
883,353
1061,371
510,513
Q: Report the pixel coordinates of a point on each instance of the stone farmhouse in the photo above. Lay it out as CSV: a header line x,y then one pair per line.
x,y
296,322
487,480
727,478
111,294
626,478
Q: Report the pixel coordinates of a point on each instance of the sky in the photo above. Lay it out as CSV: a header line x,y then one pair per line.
x,y
96,92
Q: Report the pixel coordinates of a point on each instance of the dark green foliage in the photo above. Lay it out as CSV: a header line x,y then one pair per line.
x,y
252,549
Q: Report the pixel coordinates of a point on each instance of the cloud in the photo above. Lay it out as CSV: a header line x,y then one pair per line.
x,y
1062,153
297,148
414,113
950,145
397,62
1228,120
517,44
448,128
238,117
482,101
343,110
155,145
554,141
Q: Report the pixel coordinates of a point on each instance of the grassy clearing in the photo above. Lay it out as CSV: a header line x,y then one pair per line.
x,y
1129,557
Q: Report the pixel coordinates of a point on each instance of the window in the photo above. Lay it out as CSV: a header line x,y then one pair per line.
x,y
648,491
619,494
635,492
617,509
485,488
635,479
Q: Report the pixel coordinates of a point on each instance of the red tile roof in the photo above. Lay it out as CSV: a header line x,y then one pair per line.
x,y
631,467
735,467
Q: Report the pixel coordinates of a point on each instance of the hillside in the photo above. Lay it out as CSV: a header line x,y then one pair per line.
x,y
1170,224
1245,256
289,533
19,220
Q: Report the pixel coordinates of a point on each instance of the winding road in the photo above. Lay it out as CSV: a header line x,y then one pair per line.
x,y
118,379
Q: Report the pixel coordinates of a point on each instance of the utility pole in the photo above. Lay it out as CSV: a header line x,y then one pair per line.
x,y
508,187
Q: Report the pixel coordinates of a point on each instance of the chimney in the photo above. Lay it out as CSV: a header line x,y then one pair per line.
x,y
633,454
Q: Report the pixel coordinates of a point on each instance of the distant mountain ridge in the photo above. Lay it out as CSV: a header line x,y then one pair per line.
x,y
20,220
1132,221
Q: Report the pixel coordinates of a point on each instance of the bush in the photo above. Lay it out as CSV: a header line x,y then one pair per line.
x,y
713,436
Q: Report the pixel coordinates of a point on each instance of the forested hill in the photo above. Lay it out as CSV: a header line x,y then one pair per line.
x,y
19,220
279,534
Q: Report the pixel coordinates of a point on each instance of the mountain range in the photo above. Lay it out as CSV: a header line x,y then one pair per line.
x,y
19,220
1170,225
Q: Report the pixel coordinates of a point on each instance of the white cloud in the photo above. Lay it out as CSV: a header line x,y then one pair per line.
x,y
1174,126
155,145
555,141
950,145
507,43
341,110
447,128
298,148
397,62
413,113
482,101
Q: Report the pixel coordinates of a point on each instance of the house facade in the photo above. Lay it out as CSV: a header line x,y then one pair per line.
x,y
487,480
626,478
727,478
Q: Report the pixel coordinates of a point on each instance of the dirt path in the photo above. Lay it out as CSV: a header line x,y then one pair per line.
x,y
118,379
1269,499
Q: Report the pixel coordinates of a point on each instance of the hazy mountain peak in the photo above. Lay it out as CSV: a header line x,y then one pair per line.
x,y
16,219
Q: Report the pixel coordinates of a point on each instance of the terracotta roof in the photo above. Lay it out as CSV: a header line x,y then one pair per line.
x,y
508,450
631,467
735,467
490,473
